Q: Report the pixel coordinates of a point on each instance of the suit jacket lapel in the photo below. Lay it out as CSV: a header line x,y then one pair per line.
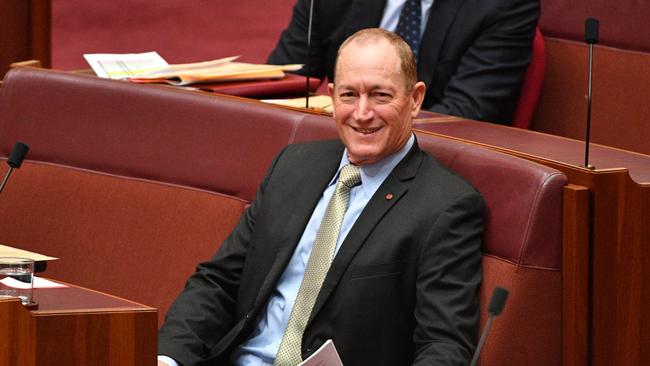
x,y
397,185
441,16
300,210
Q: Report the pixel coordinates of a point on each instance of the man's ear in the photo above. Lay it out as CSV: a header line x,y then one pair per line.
x,y
330,92
419,89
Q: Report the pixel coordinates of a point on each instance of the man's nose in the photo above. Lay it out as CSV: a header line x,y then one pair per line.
x,y
363,110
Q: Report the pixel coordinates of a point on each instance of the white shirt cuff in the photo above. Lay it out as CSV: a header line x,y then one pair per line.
x,y
168,360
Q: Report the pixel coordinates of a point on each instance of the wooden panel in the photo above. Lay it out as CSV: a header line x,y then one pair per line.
x,y
575,276
77,327
103,338
25,31
621,209
41,31
14,37
18,331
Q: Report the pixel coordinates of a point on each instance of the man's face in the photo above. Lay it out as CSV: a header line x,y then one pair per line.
x,y
372,108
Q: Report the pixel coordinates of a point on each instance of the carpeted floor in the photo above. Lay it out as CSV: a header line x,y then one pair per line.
x,y
179,30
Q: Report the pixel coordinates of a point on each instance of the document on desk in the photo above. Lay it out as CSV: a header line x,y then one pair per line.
x,y
38,282
124,65
326,355
7,251
319,102
221,70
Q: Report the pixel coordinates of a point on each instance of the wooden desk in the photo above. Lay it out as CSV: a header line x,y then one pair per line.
x,y
606,256
77,326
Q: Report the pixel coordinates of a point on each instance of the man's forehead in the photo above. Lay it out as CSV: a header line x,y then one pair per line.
x,y
369,45
360,55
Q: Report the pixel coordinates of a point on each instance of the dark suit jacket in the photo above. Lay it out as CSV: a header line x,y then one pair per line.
x,y
402,289
473,53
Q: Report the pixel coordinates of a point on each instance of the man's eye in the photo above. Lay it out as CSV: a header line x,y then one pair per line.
x,y
347,96
383,97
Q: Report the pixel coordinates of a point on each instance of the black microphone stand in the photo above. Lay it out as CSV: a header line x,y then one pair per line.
x,y
591,37
311,17
497,303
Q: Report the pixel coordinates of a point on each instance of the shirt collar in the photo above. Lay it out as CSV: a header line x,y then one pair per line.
x,y
373,175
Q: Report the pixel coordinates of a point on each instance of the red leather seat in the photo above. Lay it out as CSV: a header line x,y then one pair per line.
x,y
532,85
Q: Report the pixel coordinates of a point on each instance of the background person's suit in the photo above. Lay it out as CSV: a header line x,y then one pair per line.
x,y
473,53
404,283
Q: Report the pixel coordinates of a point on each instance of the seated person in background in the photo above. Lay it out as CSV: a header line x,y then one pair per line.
x,y
471,54
367,241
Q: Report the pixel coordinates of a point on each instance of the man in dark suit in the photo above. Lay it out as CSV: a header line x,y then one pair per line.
x,y
472,53
400,282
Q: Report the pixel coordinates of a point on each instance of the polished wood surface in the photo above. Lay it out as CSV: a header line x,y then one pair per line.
x,y
575,275
41,31
77,326
544,148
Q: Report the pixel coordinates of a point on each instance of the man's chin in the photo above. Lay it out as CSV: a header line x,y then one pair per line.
x,y
363,156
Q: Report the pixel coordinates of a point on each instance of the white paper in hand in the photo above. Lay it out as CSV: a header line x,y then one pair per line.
x,y
326,355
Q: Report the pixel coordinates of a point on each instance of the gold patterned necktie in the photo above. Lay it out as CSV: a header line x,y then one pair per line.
x,y
322,254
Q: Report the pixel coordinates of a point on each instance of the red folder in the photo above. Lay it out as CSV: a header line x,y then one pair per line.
x,y
291,85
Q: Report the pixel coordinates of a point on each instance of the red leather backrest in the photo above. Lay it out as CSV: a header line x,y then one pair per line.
x,y
531,87
153,132
623,24
524,200
225,144
132,238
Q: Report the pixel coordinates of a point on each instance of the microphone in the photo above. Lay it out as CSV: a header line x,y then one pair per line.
x,y
15,160
497,303
591,37
309,26
591,30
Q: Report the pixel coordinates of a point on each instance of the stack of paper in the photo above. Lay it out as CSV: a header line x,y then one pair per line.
x,y
151,68
123,66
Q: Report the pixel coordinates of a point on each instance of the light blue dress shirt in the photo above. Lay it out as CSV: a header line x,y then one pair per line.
x,y
393,10
263,344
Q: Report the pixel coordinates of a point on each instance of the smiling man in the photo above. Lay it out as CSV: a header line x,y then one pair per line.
x,y
367,241
376,95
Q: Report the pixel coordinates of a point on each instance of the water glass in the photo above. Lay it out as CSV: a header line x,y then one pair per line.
x,y
16,278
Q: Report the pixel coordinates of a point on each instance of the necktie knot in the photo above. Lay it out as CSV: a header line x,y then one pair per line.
x,y
350,176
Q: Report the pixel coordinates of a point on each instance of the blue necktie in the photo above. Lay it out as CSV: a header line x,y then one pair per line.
x,y
409,24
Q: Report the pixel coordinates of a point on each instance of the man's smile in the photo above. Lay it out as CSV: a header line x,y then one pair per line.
x,y
366,131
